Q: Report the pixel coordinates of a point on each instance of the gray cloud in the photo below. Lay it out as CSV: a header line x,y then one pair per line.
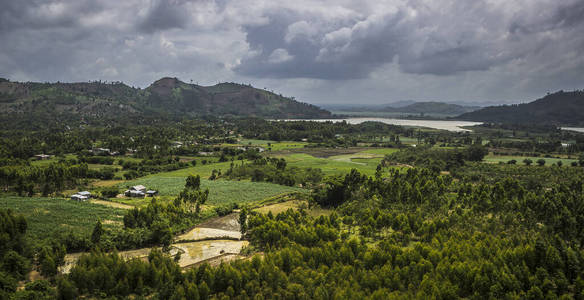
x,y
319,51
162,15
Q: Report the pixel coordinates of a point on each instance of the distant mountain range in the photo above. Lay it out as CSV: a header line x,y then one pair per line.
x,y
413,108
164,97
433,108
560,108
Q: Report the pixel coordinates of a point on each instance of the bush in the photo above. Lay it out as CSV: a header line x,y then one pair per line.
x,y
110,192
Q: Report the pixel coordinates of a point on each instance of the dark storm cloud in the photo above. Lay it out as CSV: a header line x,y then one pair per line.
x,y
335,50
444,39
164,14
33,14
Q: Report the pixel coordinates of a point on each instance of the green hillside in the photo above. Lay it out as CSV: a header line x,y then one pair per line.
x,y
560,108
432,108
167,97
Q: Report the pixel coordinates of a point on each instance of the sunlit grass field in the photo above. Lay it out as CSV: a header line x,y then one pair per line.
x,y
47,216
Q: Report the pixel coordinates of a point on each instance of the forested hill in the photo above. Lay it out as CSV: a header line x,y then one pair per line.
x,y
165,97
560,108
432,108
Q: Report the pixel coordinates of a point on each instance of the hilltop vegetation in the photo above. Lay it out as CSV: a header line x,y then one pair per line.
x,y
438,109
433,108
560,108
167,98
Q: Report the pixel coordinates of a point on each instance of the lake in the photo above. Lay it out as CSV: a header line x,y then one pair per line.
x,y
577,129
435,124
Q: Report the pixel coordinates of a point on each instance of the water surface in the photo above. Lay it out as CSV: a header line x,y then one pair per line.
x,y
577,129
450,125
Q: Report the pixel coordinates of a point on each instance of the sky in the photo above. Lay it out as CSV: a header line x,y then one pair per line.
x,y
322,52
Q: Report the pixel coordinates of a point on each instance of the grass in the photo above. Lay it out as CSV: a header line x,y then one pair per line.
x,y
274,145
220,191
48,216
365,161
202,170
53,159
548,161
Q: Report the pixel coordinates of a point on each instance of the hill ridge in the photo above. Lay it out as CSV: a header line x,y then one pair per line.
x,y
165,96
559,108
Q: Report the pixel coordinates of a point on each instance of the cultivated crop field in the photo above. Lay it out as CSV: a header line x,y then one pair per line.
x,y
220,191
47,216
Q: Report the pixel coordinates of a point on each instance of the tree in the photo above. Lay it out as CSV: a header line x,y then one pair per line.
x,y
66,290
97,232
476,152
193,182
243,221
541,162
527,162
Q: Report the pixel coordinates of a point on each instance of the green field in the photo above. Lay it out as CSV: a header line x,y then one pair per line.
x,y
365,161
220,191
47,216
274,145
548,161
53,159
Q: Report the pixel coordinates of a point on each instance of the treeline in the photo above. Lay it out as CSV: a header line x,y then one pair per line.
x,y
52,178
326,133
274,170
437,159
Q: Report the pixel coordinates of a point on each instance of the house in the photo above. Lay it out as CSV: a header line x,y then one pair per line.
x,y
139,191
139,188
134,193
85,194
176,144
42,156
81,196
100,151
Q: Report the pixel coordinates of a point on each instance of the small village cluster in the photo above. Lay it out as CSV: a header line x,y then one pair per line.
x,y
137,191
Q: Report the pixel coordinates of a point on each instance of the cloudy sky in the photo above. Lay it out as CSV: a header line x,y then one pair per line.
x,y
355,52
